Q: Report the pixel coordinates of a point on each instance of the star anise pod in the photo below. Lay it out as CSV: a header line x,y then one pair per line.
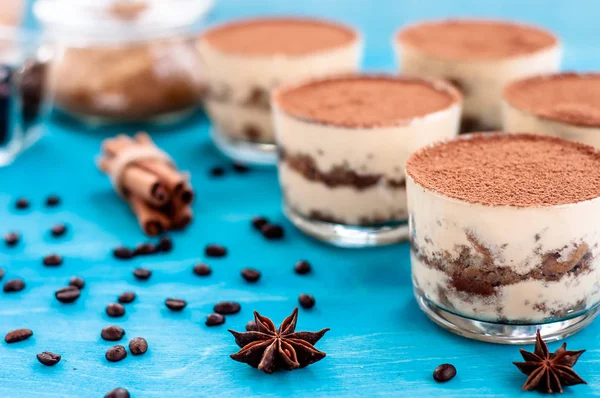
x,y
268,348
548,372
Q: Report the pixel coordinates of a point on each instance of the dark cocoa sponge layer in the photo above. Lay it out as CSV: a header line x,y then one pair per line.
x,y
498,169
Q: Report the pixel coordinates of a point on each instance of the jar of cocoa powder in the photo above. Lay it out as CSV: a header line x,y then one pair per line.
x,y
124,60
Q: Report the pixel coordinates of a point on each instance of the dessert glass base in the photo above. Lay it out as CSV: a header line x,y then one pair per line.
x,y
349,236
257,153
502,333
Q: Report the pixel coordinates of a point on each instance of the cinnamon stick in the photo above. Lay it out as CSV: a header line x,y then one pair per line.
x,y
152,221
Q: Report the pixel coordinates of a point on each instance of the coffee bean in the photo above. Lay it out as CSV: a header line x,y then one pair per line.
x,y
52,260
115,353
272,231
444,372
11,239
302,267
240,168
138,346
67,294
17,335
48,358
52,201
165,244
22,203
259,222
250,275
306,301
142,274
215,251
217,171
14,285
227,308
202,270
118,393
215,320
175,304
1,274
144,249
251,326
115,310
127,297
123,253
112,333
58,230
77,282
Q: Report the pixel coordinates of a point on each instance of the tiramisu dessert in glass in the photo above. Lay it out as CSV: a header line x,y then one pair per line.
x,y
343,143
480,57
245,60
504,233
566,105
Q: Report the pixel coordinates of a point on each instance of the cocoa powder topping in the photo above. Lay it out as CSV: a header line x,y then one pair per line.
x,y
269,36
366,101
566,97
521,170
475,39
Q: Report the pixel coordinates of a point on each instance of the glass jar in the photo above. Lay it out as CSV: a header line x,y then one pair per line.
x,y
124,60
23,89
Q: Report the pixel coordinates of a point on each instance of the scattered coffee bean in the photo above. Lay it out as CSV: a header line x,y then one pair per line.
x,y
77,282
127,297
302,267
11,239
306,301
115,310
215,251
52,260
175,304
144,249
1,274
138,346
258,222
215,320
165,244
67,294
112,333
118,393
217,171
58,230
202,270
52,201
251,326
444,372
240,168
272,231
142,274
14,285
123,253
48,358
116,353
17,335
250,275
22,203
227,308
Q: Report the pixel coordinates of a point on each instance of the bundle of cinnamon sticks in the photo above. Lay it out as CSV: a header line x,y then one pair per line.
x,y
158,193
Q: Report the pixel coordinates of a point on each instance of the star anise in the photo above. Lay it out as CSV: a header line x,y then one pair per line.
x,y
268,348
548,372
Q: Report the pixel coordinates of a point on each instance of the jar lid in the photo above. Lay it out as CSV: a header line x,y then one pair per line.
x,y
110,21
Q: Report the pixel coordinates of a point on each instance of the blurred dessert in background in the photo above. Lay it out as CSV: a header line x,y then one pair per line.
x,y
566,105
480,57
343,142
246,59
11,12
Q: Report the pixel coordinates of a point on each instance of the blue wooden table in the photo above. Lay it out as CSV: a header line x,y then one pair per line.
x,y
379,343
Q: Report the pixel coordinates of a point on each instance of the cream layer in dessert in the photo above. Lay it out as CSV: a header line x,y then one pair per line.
x,y
565,105
480,57
245,60
343,143
505,227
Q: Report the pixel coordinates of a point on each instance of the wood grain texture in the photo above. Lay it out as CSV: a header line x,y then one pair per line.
x,y
379,344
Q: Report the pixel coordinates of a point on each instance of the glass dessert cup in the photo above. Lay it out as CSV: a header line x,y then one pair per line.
x,y
242,76
341,185
499,273
132,61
